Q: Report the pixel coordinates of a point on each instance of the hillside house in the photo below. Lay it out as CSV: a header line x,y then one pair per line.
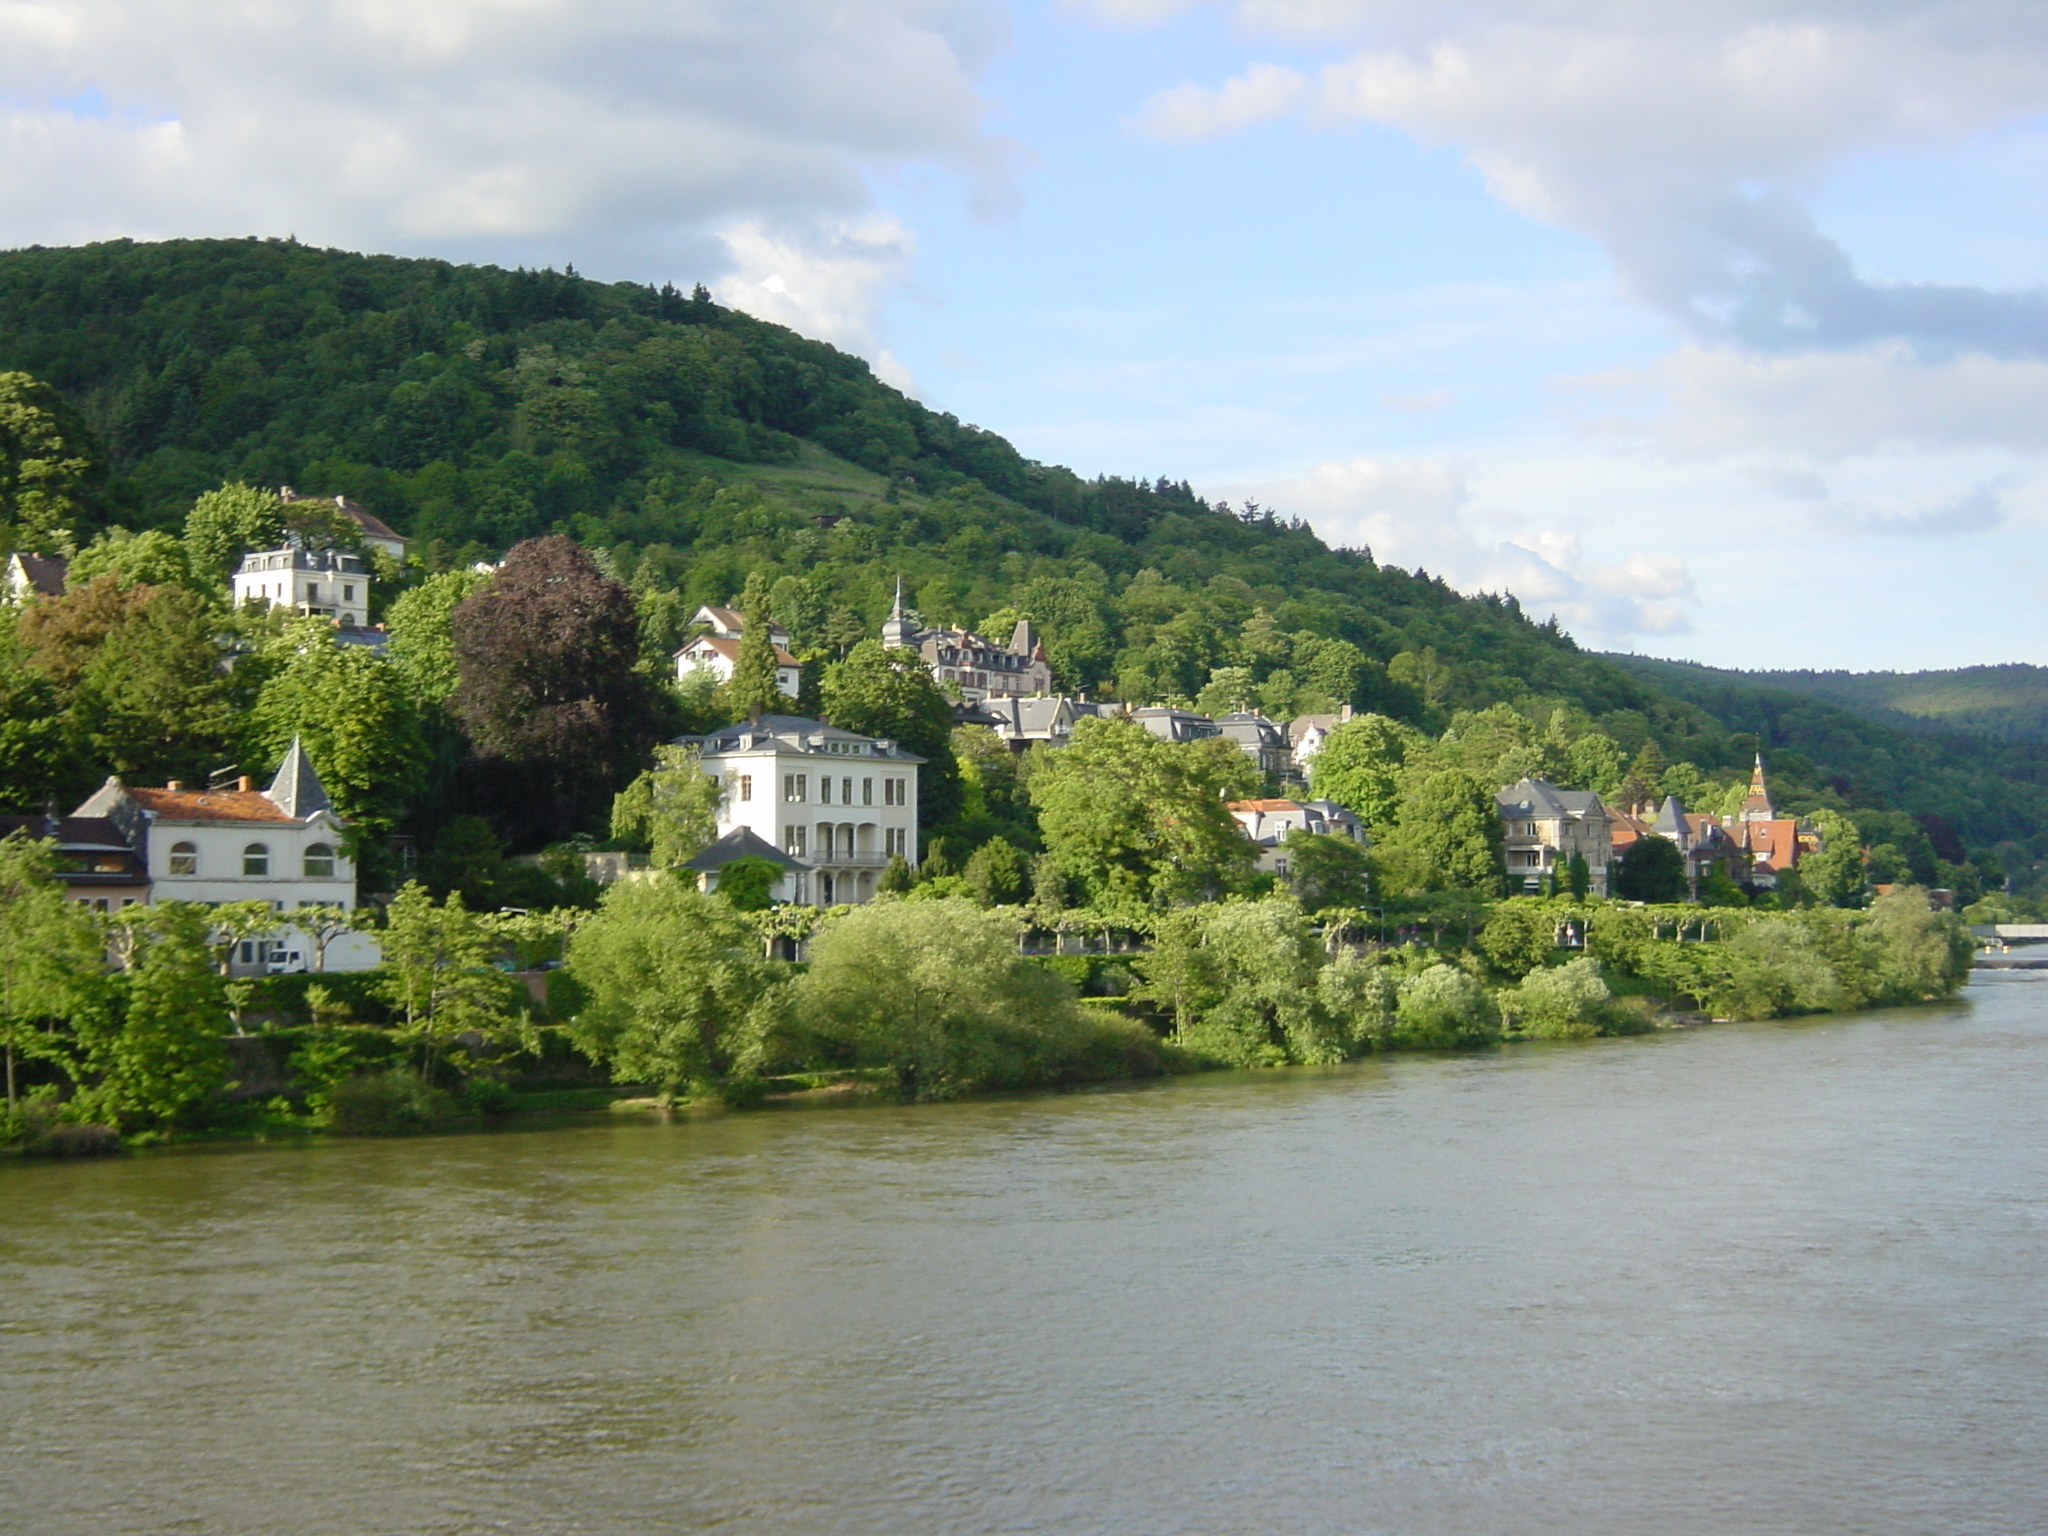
x,y
1260,739
718,650
1542,826
1307,733
969,667
841,805
283,845
1269,823
35,576
98,868
324,583
377,535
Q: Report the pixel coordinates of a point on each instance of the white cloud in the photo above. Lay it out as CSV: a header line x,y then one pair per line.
x,y
1188,112
826,283
622,135
1420,513
1683,135
1977,510
1713,402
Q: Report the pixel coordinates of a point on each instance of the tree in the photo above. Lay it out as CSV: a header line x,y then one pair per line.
x,y
1446,837
672,809
1566,1002
678,990
748,884
422,634
32,737
132,559
936,993
225,524
1578,876
1139,820
50,956
435,959
1443,1008
1326,869
898,878
322,924
996,873
1833,876
167,1056
1359,766
754,683
546,653
889,692
1651,869
352,712
1240,978
138,671
49,479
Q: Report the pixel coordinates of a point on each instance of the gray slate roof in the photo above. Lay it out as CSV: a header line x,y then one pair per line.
x,y
741,843
297,790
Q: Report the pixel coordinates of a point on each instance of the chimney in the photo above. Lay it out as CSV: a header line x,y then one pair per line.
x,y
754,714
825,720
244,784
175,784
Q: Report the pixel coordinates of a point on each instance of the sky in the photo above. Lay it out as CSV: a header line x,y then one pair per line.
x,y
1716,328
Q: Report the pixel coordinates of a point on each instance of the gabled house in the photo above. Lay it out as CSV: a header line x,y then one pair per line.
x,y
377,535
1170,723
968,666
35,576
1023,723
1269,823
1771,843
284,845
839,804
94,861
1260,739
718,650
1307,733
1542,826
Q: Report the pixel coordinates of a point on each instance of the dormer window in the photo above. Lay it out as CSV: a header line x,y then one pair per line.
x,y
256,860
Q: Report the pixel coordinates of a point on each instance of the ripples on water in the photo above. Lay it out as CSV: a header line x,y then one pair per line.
x,y
1772,1278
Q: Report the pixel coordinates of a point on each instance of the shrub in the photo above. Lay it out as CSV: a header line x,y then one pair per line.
x,y
1443,1008
384,1104
1570,1002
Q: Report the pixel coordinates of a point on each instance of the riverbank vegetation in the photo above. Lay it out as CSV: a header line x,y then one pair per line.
x,y
667,993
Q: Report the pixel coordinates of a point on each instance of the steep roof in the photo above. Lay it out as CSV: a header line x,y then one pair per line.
x,y
741,843
297,789
795,732
1539,797
730,649
372,525
42,574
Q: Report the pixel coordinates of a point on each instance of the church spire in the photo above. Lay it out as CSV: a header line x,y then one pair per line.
x,y
1758,807
899,630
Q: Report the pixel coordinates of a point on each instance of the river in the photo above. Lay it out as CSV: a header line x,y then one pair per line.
x,y
1749,1279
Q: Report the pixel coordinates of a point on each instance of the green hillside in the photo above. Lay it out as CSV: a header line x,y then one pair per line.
x,y
2008,702
473,407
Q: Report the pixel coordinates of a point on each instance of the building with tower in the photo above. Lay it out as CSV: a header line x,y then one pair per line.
x,y
969,667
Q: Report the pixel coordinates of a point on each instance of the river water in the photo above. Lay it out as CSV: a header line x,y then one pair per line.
x,y
1749,1279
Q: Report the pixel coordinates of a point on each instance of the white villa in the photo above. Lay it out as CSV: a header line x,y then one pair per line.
x,y
327,583
282,845
718,652
840,803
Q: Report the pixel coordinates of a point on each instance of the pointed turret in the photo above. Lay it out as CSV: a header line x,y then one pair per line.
x,y
898,630
297,790
1758,806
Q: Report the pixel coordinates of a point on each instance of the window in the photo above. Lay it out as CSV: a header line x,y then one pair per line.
x,y
312,592
867,791
319,861
746,786
348,594
795,787
184,858
256,859
895,840
793,841
825,789
846,791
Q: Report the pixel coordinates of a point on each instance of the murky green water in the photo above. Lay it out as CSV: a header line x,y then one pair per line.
x,y
1779,1278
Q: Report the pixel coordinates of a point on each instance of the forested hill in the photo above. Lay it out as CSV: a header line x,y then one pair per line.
x,y
472,407
2008,702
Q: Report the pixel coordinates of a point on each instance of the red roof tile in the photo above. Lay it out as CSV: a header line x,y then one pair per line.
x,y
209,805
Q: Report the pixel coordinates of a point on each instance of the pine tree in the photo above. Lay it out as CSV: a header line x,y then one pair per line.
x,y
754,684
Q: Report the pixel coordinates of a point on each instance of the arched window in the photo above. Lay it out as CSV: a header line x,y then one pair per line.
x,y
256,859
319,861
184,858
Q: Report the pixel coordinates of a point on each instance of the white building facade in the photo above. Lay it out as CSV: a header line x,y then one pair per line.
x,y
718,652
283,845
843,803
326,583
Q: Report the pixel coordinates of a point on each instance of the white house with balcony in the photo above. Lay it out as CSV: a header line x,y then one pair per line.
x,y
327,583
840,803
282,845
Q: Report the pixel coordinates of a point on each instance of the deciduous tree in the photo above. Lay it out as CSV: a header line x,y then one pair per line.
x,y
885,692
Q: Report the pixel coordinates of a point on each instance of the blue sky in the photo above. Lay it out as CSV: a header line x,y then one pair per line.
x,y
1717,329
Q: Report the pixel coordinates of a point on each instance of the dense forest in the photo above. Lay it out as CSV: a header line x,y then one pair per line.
x,y
2006,702
692,446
